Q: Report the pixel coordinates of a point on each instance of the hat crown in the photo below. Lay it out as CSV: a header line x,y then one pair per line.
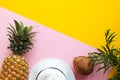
x,y
51,74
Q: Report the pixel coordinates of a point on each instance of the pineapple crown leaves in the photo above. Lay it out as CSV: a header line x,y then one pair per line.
x,y
20,38
109,56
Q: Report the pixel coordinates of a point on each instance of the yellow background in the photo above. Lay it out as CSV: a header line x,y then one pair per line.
x,y
84,20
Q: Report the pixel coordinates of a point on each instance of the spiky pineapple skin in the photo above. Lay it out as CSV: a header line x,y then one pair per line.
x,y
1,78
15,67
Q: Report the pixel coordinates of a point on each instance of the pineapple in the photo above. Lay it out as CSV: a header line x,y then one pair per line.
x,y
108,56
15,67
1,78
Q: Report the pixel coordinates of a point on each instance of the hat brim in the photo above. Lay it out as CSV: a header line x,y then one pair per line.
x,y
52,63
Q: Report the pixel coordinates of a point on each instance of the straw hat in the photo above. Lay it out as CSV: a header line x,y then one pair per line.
x,y
51,69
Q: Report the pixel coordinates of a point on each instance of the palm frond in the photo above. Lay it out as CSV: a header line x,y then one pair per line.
x,y
109,55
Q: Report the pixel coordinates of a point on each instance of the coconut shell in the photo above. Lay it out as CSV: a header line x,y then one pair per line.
x,y
83,65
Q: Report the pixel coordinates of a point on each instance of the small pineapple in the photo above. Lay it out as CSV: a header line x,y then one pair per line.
x,y
15,67
108,56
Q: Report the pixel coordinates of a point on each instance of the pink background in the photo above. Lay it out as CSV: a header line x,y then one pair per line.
x,y
48,43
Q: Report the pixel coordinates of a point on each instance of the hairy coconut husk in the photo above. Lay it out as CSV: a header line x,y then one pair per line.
x,y
83,65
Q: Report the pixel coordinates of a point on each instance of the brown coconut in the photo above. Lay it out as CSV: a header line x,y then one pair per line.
x,y
83,65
